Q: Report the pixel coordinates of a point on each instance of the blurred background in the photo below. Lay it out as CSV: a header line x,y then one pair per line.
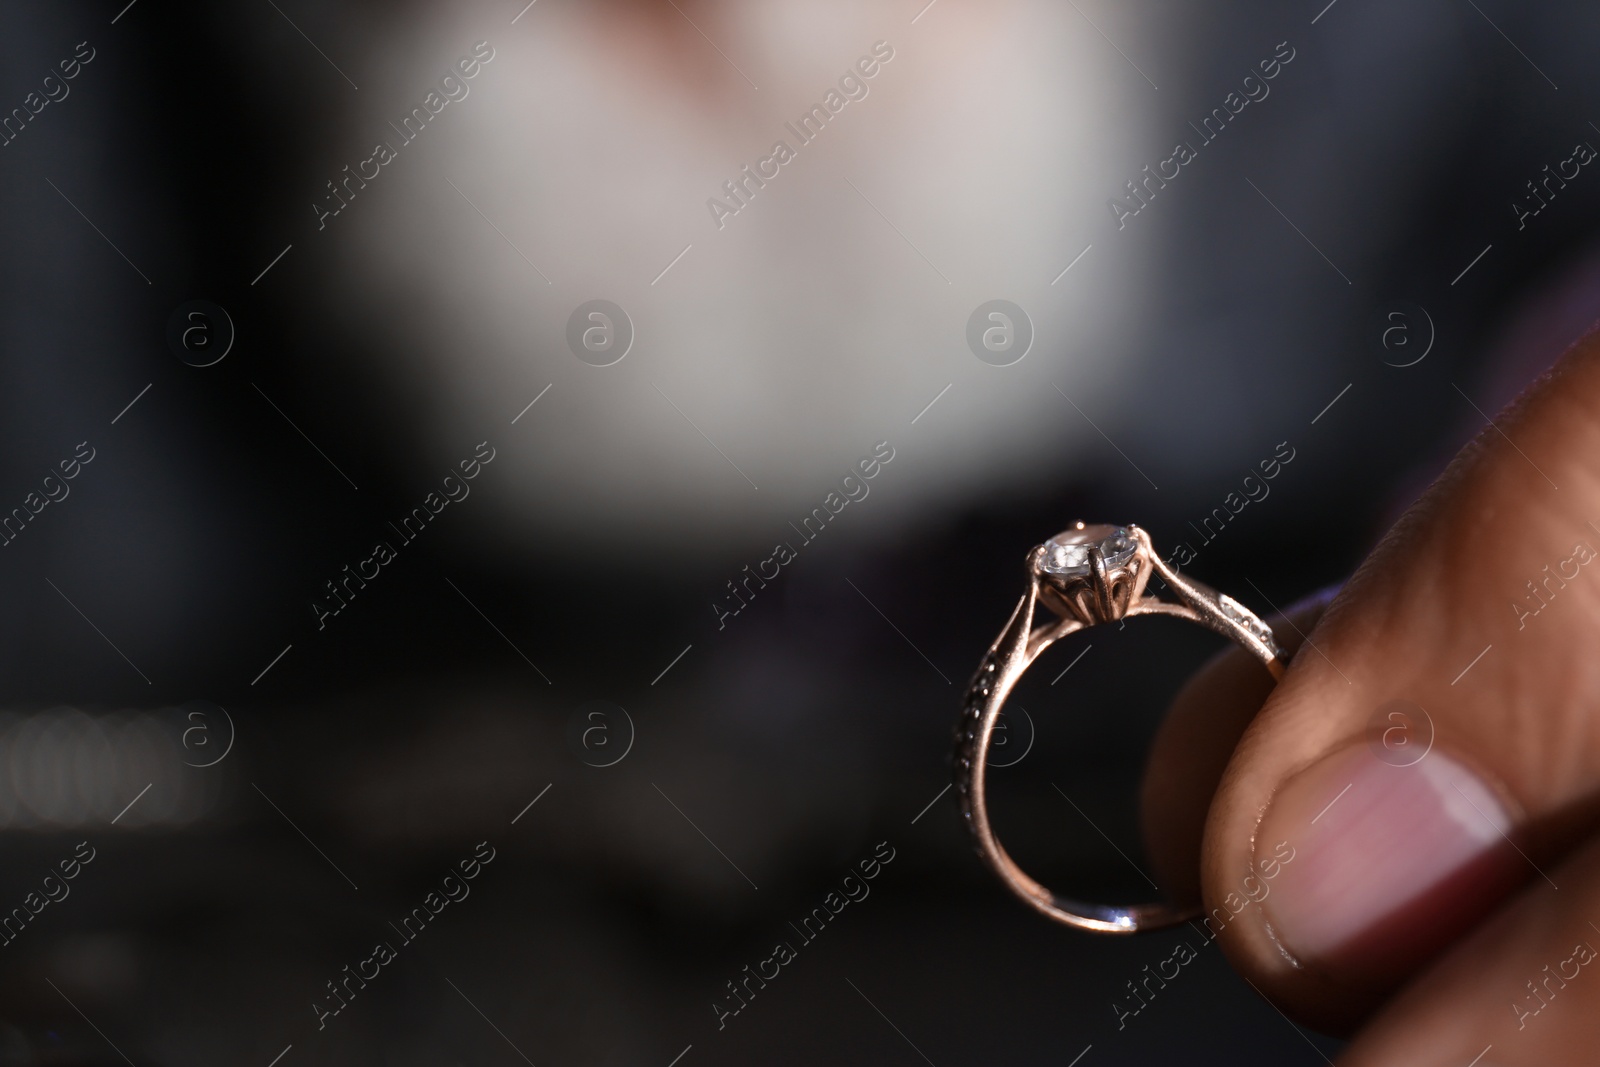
x,y
335,544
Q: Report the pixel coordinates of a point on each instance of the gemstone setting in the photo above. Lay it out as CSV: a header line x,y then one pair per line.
x,y
1242,615
1066,555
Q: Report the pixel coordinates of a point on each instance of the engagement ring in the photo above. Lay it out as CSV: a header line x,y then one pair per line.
x,y
1087,575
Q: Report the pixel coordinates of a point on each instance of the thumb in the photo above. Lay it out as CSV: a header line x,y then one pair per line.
x,y
1434,744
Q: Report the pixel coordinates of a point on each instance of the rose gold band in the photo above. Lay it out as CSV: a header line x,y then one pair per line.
x,y
1086,590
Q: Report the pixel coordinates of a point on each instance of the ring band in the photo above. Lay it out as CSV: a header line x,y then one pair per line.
x,y
1088,575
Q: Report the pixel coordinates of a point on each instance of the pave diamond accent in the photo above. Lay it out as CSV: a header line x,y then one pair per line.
x,y
1067,553
1244,617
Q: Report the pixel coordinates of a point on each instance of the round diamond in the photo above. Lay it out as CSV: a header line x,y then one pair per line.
x,y
1067,553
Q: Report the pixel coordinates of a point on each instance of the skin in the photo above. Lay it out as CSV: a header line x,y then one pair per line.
x,y
1438,588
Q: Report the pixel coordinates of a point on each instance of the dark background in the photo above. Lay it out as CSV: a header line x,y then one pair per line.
x,y
780,750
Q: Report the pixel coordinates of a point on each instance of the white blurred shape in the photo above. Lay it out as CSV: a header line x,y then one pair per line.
x,y
814,323
66,768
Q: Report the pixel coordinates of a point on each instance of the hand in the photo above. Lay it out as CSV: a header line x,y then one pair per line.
x,y
1421,906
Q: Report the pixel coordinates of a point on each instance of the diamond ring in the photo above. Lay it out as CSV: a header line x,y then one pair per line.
x,y
1086,576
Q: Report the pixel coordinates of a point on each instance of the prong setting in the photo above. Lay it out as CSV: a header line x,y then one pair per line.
x,y
1092,573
